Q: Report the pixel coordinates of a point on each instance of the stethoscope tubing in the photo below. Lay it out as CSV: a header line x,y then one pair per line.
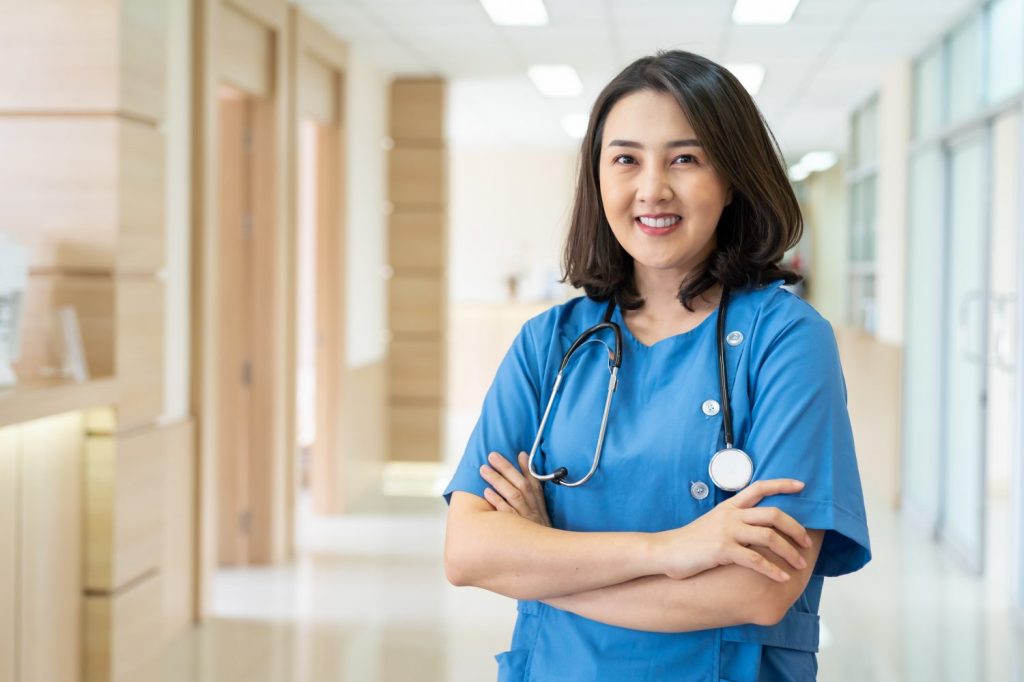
x,y
559,475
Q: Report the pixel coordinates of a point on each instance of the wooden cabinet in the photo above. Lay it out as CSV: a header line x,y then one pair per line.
x,y
41,549
8,553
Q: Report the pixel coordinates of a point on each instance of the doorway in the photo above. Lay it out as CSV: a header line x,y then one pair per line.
x,y
318,344
245,359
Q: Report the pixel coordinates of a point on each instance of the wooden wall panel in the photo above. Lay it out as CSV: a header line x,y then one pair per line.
x,y
73,186
417,110
112,57
139,351
93,301
318,91
177,580
123,507
143,68
414,372
142,180
416,304
415,432
122,632
245,53
9,438
60,182
416,176
51,549
417,241
82,75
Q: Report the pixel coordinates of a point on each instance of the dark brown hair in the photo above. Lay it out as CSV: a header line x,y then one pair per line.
x,y
756,228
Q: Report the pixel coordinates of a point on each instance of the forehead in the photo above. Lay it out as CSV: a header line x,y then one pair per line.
x,y
647,116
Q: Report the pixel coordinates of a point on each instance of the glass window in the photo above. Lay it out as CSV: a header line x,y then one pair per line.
x,y
1006,48
867,134
928,93
868,197
965,71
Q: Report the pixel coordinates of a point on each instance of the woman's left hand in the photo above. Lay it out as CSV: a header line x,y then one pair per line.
x,y
514,490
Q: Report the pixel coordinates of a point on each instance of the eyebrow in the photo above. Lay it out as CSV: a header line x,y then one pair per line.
x,y
671,145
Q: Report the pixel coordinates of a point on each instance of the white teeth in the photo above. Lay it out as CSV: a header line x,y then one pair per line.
x,y
659,222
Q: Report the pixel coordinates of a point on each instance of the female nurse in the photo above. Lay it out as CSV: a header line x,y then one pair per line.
x,y
649,571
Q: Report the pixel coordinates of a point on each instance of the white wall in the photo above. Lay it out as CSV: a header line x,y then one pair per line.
x,y
824,208
891,221
508,214
178,144
366,120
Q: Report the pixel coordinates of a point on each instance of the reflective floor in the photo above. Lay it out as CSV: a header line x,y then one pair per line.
x,y
367,600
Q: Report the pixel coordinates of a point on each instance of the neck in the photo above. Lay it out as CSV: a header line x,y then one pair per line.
x,y
660,291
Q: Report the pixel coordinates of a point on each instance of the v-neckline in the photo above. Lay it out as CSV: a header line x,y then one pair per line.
x,y
619,319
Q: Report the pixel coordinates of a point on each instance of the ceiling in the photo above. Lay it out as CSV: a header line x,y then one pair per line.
x,y
826,61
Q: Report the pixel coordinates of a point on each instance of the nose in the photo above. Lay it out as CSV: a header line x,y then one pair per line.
x,y
653,185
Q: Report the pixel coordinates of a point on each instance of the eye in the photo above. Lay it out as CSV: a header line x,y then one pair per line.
x,y
691,157
623,160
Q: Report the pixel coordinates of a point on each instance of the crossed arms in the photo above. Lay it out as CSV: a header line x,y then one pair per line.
x,y
736,564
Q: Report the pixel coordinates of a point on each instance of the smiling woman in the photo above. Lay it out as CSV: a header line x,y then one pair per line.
x,y
643,570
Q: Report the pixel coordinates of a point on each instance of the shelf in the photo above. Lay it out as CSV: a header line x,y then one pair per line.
x,y
27,402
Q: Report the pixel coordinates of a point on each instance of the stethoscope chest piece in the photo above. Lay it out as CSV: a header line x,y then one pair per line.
x,y
731,469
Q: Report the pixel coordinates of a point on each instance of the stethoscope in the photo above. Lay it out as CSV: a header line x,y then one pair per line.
x,y
730,469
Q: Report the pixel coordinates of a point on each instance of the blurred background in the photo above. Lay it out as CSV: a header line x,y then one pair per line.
x,y
259,262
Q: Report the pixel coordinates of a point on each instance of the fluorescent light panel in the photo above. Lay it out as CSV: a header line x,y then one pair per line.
x,y
556,80
750,75
763,11
516,12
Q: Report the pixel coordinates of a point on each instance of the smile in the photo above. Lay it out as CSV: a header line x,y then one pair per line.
x,y
667,221
661,225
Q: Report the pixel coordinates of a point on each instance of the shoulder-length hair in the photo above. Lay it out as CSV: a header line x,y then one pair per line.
x,y
756,228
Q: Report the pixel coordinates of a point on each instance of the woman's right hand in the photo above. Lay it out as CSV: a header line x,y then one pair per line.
x,y
726,534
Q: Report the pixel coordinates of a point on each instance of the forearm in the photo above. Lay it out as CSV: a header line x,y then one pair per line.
x,y
719,597
507,554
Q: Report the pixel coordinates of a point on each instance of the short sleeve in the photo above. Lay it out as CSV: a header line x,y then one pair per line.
x,y
509,417
800,428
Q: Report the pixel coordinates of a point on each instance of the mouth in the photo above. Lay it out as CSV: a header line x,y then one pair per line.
x,y
657,225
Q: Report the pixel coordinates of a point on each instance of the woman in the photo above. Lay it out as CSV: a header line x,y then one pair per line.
x,y
648,570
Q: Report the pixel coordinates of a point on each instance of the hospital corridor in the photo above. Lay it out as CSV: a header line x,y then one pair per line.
x,y
275,276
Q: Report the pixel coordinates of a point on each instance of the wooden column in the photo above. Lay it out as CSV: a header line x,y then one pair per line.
x,y
417,253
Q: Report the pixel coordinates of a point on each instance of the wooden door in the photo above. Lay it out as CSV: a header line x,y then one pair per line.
x,y
234,364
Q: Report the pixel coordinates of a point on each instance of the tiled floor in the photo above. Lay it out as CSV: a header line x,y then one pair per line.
x,y
367,601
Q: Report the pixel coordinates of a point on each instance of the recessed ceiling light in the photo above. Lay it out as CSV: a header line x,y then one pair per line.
x,y
516,12
812,162
819,161
556,80
750,75
798,173
575,125
763,11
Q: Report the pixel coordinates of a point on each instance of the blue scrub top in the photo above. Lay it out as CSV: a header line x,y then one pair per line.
x,y
788,399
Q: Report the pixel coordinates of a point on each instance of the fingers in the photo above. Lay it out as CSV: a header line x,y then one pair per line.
x,y
757,491
767,537
524,466
776,518
506,469
497,501
513,495
754,561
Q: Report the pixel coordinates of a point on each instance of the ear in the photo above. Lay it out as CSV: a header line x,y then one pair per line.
x,y
728,197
